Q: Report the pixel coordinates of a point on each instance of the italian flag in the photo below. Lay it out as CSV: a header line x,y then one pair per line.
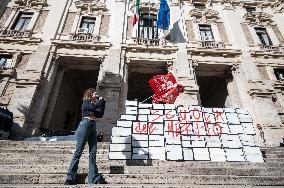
x,y
136,13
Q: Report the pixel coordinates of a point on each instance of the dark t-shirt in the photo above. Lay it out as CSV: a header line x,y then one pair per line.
x,y
97,108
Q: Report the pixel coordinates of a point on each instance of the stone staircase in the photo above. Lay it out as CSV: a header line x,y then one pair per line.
x,y
44,164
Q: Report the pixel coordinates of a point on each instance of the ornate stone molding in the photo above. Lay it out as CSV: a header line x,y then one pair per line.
x,y
278,7
259,89
206,16
31,3
258,18
90,6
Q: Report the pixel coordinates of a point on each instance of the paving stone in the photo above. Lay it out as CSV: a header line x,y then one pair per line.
x,y
145,105
155,119
144,111
234,155
120,140
217,154
254,158
229,110
233,118
121,131
140,150
213,142
187,154
128,117
247,140
174,152
158,106
144,137
139,156
170,106
142,117
131,110
121,123
136,143
119,147
246,118
236,129
201,154
119,155
248,129
131,103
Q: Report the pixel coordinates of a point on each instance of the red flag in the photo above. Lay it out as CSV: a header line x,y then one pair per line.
x,y
161,83
165,88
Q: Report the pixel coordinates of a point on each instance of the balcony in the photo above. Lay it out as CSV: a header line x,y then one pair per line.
x,y
270,48
83,37
210,44
146,41
13,33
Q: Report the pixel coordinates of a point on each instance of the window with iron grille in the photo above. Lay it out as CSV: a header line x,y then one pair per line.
x,y
147,27
206,33
279,73
6,62
87,25
250,9
263,36
199,6
22,21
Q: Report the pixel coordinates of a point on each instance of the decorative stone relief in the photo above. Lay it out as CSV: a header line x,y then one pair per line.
x,y
90,6
258,18
207,16
31,3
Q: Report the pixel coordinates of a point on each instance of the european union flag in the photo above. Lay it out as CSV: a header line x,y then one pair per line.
x,y
164,16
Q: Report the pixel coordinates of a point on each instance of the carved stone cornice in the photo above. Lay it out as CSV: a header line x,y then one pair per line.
x,y
31,3
259,89
89,6
258,18
278,7
206,16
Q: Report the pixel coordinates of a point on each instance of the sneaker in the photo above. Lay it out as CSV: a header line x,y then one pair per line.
x,y
101,181
69,182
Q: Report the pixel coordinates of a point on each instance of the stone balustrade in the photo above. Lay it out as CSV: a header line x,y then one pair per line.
x,y
84,37
270,48
210,44
13,33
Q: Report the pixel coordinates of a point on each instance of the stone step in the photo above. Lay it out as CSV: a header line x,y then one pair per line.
x,y
170,169
123,186
147,179
38,145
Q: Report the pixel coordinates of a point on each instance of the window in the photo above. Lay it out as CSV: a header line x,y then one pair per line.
x,y
22,21
250,9
6,62
87,25
199,6
263,36
147,27
205,32
279,74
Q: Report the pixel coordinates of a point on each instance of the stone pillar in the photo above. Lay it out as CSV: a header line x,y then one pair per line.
x,y
233,92
185,76
109,86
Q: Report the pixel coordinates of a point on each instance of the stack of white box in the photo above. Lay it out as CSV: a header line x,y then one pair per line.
x,y
167,132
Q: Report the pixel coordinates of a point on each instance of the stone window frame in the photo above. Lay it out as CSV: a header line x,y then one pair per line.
x,y
214,29
12,19
78,19
15,59
269,30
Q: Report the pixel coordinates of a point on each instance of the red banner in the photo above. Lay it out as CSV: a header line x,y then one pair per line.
x,y
165,88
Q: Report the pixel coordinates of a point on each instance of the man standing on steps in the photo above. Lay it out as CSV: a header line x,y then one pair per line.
x,y
93,107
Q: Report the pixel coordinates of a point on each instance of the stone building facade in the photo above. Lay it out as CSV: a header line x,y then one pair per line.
x,y
226,54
